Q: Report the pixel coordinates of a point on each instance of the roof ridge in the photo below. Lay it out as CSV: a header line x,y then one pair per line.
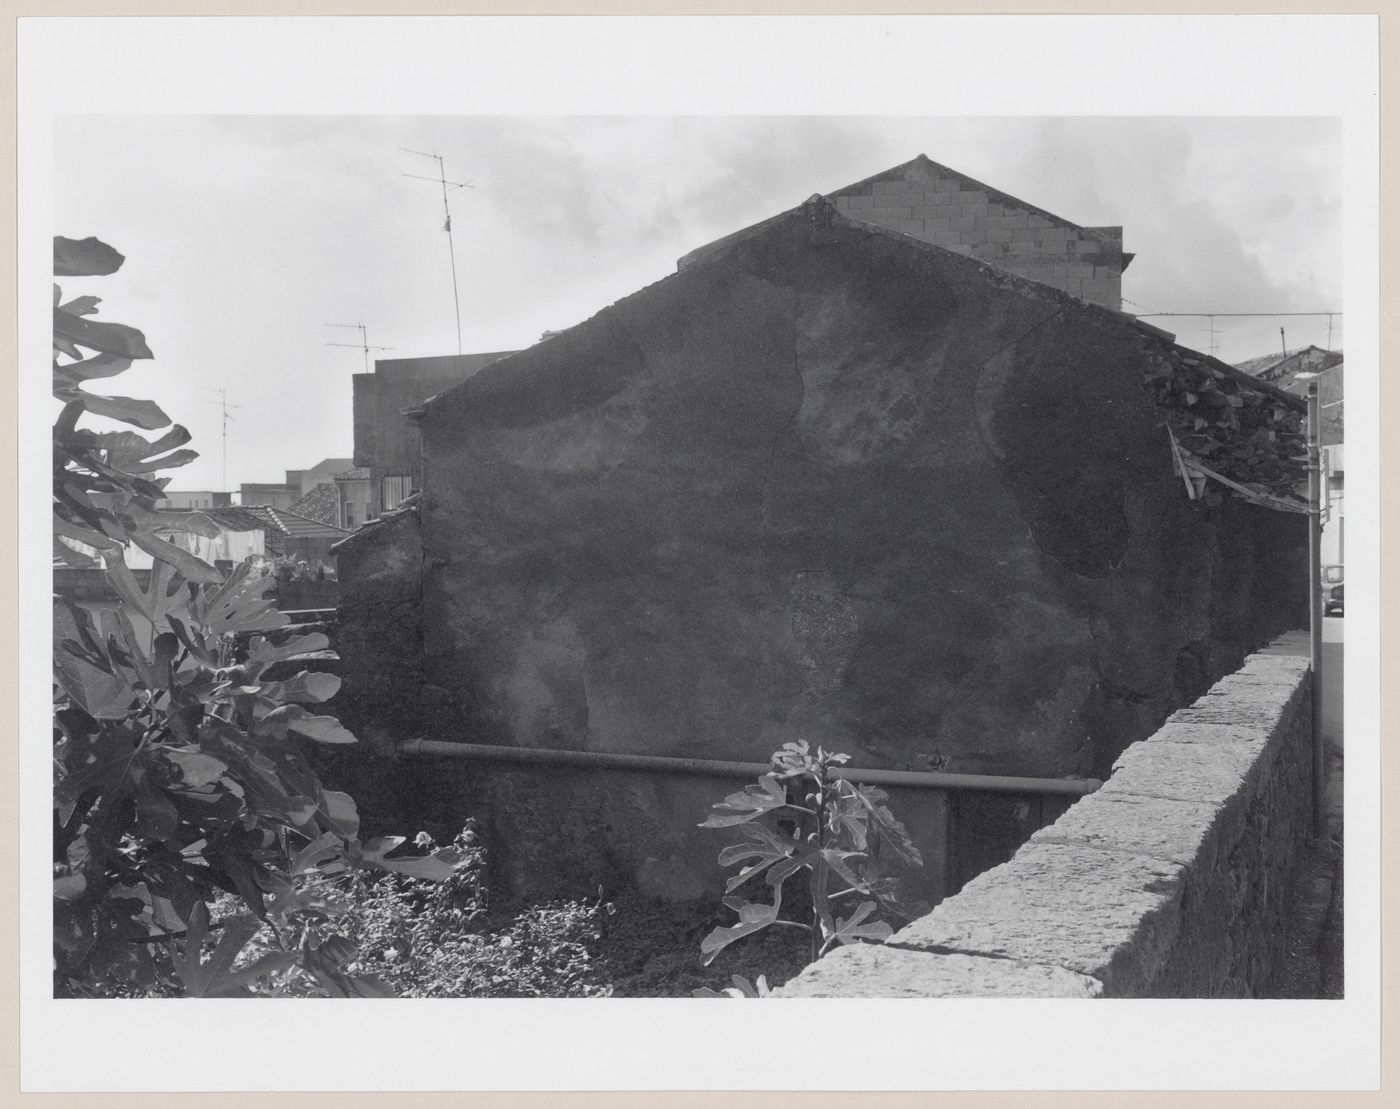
x,y
997,194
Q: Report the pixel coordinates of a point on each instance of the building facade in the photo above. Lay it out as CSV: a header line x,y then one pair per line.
x,y
200,498
828,482
353,496
938,205
1293,371
387,445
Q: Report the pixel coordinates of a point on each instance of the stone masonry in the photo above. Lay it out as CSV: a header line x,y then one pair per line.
x,y
835,483
946,208
940,206
1171,881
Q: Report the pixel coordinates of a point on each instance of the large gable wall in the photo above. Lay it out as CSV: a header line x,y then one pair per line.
x,y
832,485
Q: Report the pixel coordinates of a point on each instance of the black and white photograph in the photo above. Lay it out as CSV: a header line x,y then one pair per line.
x,y
506,553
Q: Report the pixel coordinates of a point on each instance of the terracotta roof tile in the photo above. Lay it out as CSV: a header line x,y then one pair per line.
x,y
322,504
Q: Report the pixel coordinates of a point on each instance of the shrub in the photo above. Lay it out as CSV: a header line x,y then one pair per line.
x,y
439,938
181,768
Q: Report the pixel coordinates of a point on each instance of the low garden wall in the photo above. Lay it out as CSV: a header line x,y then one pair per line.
x,y
1171,881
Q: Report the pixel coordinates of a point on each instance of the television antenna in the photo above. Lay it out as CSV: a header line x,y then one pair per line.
x,y
224,406
441,179
363,344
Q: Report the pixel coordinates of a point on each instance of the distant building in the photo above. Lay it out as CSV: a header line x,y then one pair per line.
x,y
353,496
320,505
298,483
323,471
1292,371
941,206
201,498
387,446
1281,368
79,573
259,532
271,494
300,538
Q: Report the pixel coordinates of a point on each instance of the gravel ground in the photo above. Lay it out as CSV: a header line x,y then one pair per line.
x,y
652,949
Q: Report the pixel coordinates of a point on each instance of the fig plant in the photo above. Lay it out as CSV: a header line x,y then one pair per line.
x,y
181,726
803,818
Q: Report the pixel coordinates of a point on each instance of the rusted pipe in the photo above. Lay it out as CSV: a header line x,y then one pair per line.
x,y
716,768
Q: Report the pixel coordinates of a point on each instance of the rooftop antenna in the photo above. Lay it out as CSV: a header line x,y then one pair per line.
x,y
224,406
1283,341
442,180
363,344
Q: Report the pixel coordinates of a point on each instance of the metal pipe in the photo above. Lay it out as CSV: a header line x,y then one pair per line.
x,y
716,768
1319,763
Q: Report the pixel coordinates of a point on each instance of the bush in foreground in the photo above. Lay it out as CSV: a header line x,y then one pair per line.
x,y
441,939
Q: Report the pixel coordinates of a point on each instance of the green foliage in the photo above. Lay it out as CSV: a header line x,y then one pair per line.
x,y
422,937
181,767
801,818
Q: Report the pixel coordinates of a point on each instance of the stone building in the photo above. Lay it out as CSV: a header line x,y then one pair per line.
x,y
828,481
941,206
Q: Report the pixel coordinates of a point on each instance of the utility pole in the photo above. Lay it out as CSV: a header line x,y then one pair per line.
x,y
363,344
224,406
441,179
1315,617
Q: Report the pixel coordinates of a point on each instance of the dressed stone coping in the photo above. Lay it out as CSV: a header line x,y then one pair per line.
x,y
1170,881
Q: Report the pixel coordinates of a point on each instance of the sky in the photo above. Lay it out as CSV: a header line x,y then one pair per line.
x,y
246,236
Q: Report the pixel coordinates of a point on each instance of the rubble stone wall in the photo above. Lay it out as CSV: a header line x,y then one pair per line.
x,y
380,634
1170,881
833,484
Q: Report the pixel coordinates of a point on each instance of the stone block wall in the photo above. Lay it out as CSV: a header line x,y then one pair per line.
x,y
1170,881
945,208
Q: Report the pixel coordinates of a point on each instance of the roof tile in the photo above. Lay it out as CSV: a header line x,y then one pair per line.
x,y
322,504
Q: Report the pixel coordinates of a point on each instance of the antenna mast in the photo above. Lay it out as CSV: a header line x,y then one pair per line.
x,y
442,180
363,344
224,406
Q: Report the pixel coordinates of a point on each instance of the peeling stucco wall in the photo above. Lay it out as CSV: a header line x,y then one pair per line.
x,y
827,485
1171,881
380,628
830,484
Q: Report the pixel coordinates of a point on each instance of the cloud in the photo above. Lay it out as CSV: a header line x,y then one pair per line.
x,y
246,235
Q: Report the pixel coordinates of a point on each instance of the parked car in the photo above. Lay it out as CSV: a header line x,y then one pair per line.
x,y
1332,600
